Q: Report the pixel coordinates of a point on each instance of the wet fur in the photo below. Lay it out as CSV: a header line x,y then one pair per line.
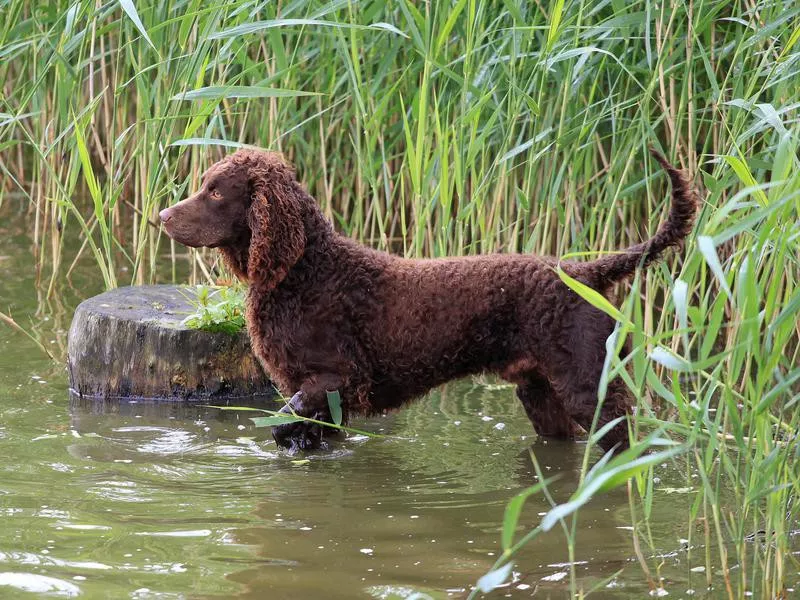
x,y
326,313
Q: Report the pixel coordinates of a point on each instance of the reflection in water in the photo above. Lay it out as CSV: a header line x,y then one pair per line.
x,y
116,498
136,498
418,509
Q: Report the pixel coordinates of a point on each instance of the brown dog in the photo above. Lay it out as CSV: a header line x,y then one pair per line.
x,y
325,313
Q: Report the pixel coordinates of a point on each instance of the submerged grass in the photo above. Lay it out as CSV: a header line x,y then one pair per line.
x,y
461,127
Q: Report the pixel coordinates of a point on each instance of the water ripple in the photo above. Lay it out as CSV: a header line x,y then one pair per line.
x,y
39,584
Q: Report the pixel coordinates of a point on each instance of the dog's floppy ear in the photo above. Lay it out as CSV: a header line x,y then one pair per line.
x,y
278,237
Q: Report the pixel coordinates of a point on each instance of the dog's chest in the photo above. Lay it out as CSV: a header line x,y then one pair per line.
x,y
291,339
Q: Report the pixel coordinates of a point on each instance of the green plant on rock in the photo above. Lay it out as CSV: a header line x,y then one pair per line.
x,y
217,309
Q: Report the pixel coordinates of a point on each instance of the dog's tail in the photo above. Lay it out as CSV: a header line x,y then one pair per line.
x,y
616,267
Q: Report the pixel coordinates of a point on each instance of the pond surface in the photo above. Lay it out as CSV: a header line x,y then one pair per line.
x,y
143,500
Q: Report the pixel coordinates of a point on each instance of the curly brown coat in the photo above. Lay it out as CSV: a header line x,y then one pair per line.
x,y
326,313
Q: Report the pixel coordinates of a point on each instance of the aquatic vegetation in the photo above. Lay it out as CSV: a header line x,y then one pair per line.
x,y
438,128
219,308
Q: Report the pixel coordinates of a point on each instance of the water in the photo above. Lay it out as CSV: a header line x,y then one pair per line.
x,y
144,500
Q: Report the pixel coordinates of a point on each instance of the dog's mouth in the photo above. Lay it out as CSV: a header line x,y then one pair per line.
x,y
186,235
173,229
179,236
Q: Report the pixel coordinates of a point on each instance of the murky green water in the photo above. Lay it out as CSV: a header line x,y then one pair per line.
x,y
146,500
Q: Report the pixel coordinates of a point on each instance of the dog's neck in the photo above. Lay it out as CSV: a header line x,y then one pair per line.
x,y
236,256
259,306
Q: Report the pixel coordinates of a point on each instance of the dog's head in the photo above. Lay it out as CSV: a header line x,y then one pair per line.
x,y
250,207
215,215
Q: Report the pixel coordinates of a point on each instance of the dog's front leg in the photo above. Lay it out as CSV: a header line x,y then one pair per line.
x,y
311,402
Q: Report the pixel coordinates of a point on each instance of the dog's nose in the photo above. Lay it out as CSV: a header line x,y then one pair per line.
x,y
165,215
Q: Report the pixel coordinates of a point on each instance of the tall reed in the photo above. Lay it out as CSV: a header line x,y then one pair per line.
x,y
460,127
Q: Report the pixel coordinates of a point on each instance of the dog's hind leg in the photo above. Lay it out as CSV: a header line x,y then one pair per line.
x,y
575,369
542,404
545,409
581,404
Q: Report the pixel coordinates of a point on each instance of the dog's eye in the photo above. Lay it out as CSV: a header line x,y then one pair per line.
x,y
215,194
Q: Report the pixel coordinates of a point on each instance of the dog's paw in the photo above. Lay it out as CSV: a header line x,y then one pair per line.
x,y
301,435
297,437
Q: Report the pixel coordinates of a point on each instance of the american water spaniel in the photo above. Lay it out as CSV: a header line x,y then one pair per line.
x,y
326,313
